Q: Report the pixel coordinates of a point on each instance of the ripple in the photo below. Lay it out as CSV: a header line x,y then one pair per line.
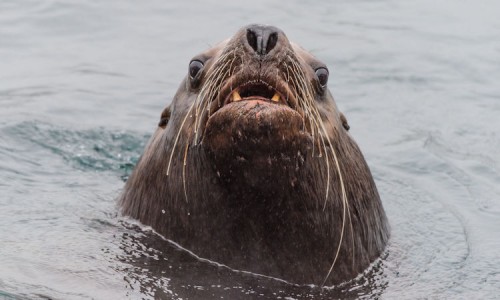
x,y
87,150
427,240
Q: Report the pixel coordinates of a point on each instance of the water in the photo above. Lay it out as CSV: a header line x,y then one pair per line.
x,y
82,86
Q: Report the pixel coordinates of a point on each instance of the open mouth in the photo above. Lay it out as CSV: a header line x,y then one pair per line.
x,y
256,90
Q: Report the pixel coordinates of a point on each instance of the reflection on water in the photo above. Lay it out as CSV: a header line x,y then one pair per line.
x,y
82,88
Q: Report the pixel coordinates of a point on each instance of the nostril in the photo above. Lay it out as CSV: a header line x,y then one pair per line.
x,y
271,42
252,40
262,39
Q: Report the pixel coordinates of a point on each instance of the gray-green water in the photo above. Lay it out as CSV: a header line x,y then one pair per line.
x,y
82,86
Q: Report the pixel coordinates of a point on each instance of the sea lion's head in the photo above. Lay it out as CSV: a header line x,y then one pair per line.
x,y
252,166
259,105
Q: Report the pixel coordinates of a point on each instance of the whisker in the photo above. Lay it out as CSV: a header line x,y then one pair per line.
x,y
312,111
177,137
184,170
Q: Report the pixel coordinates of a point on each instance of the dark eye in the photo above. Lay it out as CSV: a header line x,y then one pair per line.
x,y
194,68
322,74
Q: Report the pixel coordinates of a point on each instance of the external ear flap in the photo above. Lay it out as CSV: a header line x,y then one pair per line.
x,y
165,116
344,122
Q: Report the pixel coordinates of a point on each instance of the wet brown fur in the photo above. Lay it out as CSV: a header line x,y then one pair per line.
x,y
276,209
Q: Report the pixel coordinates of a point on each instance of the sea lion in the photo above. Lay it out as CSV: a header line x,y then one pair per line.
x,y
252,166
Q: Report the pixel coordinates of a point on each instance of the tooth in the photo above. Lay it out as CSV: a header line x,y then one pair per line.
x,y
236,96
276,97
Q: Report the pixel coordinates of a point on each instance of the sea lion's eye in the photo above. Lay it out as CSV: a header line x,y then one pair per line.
x,y
194,68
322,74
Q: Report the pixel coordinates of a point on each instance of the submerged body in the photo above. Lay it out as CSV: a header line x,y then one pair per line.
x,y
252,166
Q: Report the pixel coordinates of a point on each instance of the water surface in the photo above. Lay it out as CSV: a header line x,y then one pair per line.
x,y
82,86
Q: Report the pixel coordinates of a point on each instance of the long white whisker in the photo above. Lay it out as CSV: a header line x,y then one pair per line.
x,y
315,117
177,137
